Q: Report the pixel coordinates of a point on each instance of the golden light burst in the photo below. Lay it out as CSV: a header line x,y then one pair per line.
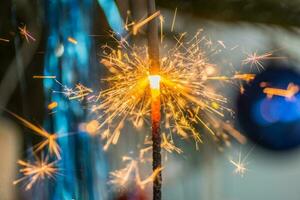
x,y
36,171
255,59
240,165
189,102
49,139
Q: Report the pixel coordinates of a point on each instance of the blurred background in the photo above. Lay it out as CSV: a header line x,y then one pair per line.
x,y
271,155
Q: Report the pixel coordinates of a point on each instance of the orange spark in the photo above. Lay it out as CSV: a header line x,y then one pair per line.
x,y
169,145
52,105
245,77
80,92
257,60
161,20
140,24
44,77
26,33
173,21
72,40
290,92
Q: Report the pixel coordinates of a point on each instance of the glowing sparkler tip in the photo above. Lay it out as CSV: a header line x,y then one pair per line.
x,y
154,81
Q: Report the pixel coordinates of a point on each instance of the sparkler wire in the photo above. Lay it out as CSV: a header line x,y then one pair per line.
x,y
153,52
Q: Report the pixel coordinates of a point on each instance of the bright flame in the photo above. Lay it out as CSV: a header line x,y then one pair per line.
x,y
154,81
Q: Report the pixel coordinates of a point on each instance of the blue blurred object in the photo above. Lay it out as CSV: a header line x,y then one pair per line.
x,y
272,122
113,16
84,170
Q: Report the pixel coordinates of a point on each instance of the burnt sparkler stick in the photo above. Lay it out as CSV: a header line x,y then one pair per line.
x,y
154,78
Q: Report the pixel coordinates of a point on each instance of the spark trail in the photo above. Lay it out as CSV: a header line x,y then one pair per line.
x,y
49,139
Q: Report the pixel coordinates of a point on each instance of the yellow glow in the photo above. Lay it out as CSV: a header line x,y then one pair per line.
x,y
52,105
72,40
154,81
92,127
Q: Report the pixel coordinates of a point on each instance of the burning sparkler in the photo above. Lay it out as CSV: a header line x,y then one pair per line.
x,y
142,83
182,84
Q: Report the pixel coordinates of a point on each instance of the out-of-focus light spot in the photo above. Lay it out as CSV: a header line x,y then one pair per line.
x,y
278,109
92,127
215,105
59,51
269,109
52,105
210,70
72,40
